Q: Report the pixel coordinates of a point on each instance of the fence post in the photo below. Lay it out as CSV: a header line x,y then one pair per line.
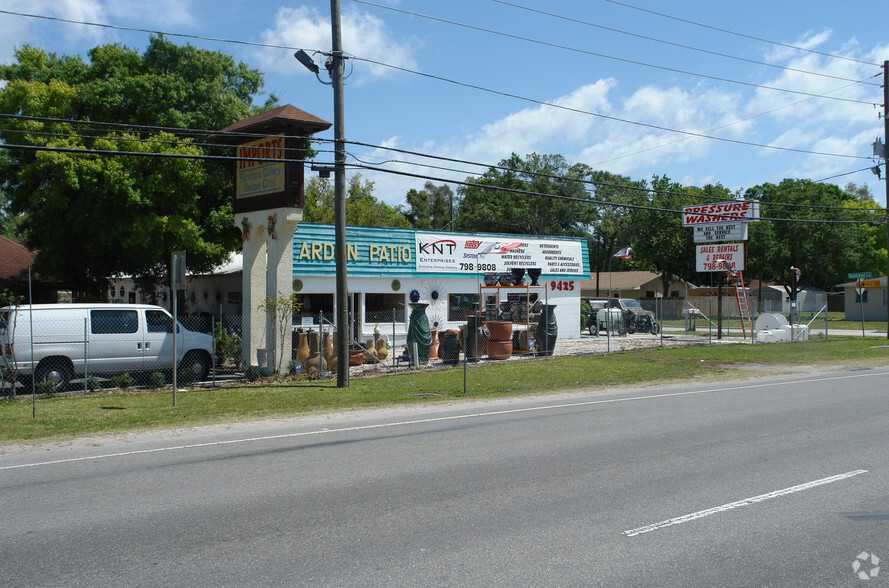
x,y
86,375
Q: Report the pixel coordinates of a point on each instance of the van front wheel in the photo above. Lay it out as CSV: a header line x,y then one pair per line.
x,y
198,363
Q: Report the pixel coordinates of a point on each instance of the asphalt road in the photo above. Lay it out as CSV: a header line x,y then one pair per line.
x,y
779,482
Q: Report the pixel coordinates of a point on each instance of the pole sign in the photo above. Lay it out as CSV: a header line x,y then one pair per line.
x,y
856,275
719,258
740,211
721,232
870,283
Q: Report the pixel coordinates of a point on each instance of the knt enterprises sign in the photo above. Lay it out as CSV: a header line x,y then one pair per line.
x,y
469,254
719,258
739,211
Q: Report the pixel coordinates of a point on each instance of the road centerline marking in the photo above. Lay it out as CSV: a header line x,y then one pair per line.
x,y
739,503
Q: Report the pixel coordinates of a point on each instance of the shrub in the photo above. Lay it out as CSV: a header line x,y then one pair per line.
x,y
185,376
123,381
252,373
228,346
158,379
93,384
46,388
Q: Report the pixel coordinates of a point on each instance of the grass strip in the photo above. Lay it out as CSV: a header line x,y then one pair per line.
x,y
72,416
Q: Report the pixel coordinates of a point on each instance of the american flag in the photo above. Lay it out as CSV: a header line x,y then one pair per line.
x,y
624,253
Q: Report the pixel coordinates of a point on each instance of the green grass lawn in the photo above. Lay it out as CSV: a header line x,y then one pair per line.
x,y
78,415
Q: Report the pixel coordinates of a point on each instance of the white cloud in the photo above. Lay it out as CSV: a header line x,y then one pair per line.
x,y
364,35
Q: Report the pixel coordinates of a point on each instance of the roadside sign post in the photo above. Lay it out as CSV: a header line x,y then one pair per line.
x,y
859,290
177,282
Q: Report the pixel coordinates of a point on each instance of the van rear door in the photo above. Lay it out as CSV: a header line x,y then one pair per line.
x,y
116,344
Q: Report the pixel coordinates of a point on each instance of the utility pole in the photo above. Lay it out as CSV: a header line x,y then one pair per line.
x,y
886,171
339,199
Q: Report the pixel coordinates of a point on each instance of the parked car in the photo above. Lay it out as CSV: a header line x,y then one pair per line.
x,y
79,340
626,316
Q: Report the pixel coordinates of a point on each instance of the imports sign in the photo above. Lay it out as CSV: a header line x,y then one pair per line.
x,y
739,211
719,258
260,167
720,232
471,255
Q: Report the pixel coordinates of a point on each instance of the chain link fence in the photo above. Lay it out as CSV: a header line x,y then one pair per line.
x,y
57,348
89,349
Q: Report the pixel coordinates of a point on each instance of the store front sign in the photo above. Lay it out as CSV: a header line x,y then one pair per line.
x,y
720,232
740,211
468,254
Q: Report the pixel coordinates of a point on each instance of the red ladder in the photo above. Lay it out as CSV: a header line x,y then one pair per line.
x,y
737,279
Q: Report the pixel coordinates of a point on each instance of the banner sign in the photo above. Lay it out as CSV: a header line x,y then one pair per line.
x,y
720,233
719,258
472,254
740,211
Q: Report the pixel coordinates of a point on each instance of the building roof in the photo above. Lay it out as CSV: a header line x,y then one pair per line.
x,y
14,259
284,118
620,280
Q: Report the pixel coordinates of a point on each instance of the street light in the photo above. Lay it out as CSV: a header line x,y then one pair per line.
x,y
334,67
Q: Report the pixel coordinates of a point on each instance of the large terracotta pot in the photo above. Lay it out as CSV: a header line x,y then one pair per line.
x,y
499,330
302,350
500,349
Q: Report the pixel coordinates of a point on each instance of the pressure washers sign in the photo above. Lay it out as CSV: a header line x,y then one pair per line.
x,y
739,211
472,255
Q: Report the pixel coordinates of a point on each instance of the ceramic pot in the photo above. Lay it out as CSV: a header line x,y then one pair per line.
x,y
382,351
433,350
500,349
418,332
450,348
499,330
356,356
490,279
302,350
534,274
547,330
518,276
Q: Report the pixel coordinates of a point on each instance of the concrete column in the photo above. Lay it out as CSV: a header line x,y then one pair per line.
x,y
282,224
253,285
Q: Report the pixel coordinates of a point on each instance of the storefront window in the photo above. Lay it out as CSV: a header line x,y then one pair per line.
x,y
312,304
378,308
460,304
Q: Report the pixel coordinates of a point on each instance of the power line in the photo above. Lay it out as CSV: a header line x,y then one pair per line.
x,y
672,44
737,34
455,82
602,116
745,119
101,152
357,143
611,57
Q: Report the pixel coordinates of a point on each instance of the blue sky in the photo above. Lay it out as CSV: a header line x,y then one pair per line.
x,y
511,59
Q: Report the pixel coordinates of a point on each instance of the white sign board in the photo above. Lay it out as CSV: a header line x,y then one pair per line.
x,y
720,233
740,211
719,258
455,253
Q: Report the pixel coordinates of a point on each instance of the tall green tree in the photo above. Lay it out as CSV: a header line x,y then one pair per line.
x,y
544,196
793,233
91,215
362,207
431,207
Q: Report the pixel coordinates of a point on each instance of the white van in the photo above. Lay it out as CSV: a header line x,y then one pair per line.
x,y
76,340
